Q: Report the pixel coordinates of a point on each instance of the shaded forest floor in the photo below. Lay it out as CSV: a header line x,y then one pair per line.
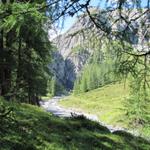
x,y
29,127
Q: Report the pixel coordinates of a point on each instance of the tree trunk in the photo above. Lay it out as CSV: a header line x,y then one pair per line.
x,y
5,72
19,61
1,63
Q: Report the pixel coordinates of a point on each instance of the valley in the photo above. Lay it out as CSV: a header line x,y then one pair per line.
x,y
74,75
108,104
33,128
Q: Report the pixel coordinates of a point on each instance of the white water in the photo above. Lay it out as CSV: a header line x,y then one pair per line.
x,y
53,107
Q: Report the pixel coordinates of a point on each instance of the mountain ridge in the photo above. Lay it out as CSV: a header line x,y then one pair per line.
x,y
76,46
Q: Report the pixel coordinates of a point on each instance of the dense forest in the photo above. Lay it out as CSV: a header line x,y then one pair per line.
x,y
25,52
110,46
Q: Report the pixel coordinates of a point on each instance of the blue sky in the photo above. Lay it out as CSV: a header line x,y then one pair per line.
x,y
70,20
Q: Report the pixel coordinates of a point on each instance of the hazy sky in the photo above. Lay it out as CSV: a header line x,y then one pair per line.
x,y
68,22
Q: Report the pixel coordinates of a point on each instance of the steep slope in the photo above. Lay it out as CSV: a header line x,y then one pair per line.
x,y
108,103
78,44
72,53
34,129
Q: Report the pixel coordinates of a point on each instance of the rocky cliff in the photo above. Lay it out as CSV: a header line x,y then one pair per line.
x,y
72,53
75,46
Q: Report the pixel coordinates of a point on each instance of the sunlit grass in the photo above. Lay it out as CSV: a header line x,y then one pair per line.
x,y
46,97
106,102
35,129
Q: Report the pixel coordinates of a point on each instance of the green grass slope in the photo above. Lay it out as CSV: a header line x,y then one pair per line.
x,y
106,102
31,128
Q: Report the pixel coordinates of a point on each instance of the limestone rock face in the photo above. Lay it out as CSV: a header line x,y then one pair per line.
x,y
57,67
72,49
68,59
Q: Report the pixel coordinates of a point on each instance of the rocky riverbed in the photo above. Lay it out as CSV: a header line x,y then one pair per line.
x,y
53,107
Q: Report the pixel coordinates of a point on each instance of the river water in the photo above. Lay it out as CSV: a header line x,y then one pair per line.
x,y
53,107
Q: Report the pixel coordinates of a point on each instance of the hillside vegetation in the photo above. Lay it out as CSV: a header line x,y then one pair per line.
x,y
32,128
40,58
107,102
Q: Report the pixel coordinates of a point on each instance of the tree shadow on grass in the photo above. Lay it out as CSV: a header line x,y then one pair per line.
x,y
40,130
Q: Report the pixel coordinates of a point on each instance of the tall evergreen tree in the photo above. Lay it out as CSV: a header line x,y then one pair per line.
x,y
25,52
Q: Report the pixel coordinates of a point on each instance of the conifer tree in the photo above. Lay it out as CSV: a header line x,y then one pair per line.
x,y
25,52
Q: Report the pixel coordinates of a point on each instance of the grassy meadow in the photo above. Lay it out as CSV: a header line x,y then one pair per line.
x,y
107,103
31,128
